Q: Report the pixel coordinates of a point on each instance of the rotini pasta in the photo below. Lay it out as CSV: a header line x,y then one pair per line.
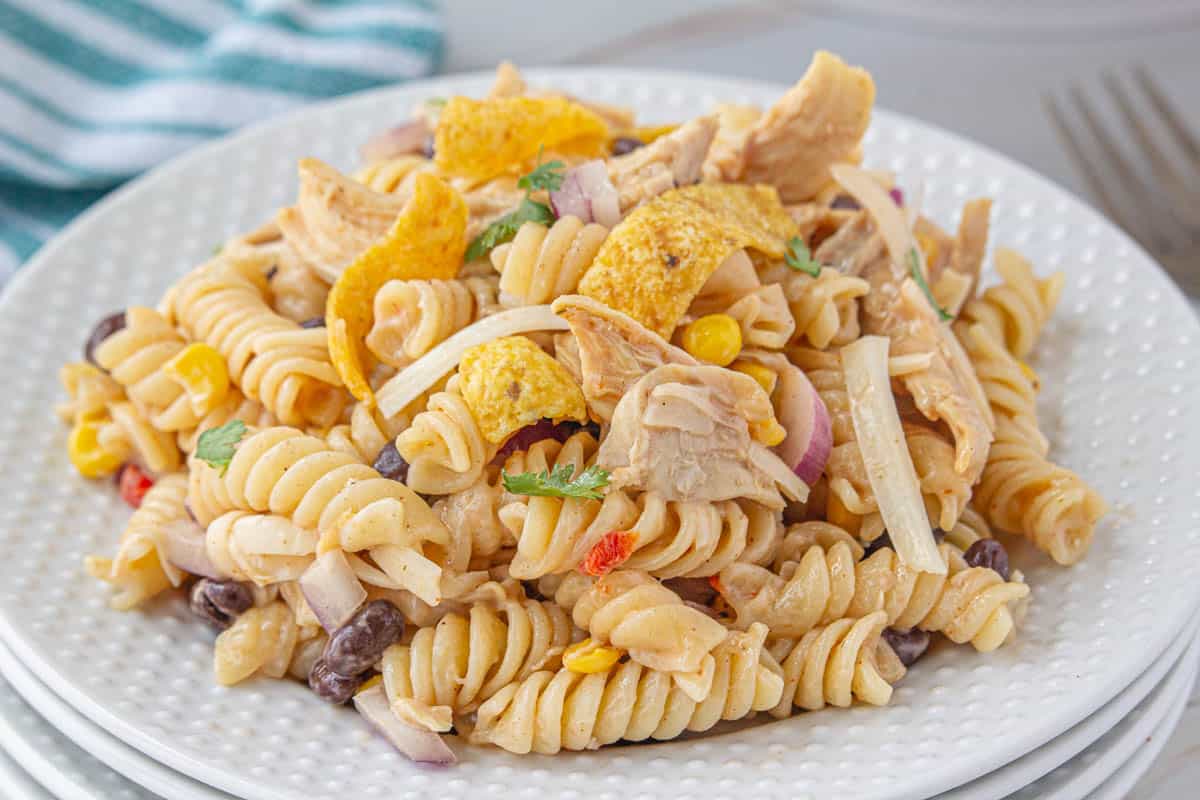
x,y
261,640
1016,310
411,317
140,569
271,359
542,263
825,308
466,658
444,448
565,710
764,318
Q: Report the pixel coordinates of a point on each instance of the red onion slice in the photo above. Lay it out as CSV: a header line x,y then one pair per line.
x,y
402,140
587,193
332,590
185,546
568,200
415,743
809,430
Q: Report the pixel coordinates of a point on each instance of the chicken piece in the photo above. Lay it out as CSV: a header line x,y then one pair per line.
x,y
733,126
687,433
819,122
614,351
669,161
335,218
970,244
509,82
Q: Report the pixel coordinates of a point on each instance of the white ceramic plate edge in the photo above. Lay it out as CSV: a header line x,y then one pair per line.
x,y
1033,765
18,783
1064,715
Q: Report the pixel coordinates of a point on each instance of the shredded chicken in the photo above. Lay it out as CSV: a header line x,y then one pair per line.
x,y
970,245
669,161
614,351
335,218
686,433
853,248
733,126
509,82
819,122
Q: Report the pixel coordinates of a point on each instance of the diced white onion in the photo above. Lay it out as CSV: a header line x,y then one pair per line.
x,y
186,549
332,590
416,743
889,218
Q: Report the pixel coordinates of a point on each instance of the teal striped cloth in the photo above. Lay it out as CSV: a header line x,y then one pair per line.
x,y
92,92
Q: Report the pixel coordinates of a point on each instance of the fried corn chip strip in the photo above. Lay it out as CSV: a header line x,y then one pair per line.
x,y
480,139
653,264
510,383
426,241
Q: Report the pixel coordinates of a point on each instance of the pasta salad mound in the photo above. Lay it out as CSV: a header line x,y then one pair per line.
x,y
548,429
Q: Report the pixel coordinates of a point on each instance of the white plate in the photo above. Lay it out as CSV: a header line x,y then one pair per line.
x,y
1125,745
1058,751
1118,785
1118,367
18,784
94,751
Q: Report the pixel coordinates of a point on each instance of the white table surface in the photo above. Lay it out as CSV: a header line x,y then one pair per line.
x,y
978,68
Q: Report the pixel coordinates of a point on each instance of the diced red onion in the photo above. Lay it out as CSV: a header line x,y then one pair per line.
x,y
402,140
186,549
416,743
809,430
586,192
897,195
332,590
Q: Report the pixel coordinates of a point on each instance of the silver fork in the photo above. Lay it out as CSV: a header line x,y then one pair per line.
x,y
1160,208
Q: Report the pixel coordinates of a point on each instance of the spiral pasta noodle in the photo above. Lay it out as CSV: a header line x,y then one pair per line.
x,y
229,542
565,710
261,640
444,448
270,358
472,516
970,528
634,612
367,432
967,604
89,392
134,357
466,658
235,406
392,175
140,569
1006,384
297,292
764,318
825,308
287,472
413,316
837,664
130,433
1015,310
542,263
944,489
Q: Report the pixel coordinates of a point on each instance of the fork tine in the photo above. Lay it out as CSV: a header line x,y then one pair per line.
x,y
1169,115
1184,198
1075,150
1132,184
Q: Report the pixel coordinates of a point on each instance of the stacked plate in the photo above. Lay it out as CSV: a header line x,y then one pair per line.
x,y
1104,656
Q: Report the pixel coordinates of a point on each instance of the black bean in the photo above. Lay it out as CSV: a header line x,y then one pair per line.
x,y
356,646
272,272
332,686
845,202
390,464
104,329
535,432
988,553
626,144
939,535
883,540
908,645
219,602
427,149
314,322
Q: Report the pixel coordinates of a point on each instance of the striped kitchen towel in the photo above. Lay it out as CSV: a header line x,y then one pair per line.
x,y
92,92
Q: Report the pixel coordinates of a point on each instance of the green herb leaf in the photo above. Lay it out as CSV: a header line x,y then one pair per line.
x,y
558,483
216,445
548,176
437,102
798,257
505,228
914,266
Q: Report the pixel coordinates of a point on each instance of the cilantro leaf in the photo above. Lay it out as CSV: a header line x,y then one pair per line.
x,y
505,228
914,266
216,445
558,482
798,257
548,176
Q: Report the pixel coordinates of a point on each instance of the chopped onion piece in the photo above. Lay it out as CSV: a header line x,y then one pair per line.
x,y
332,590
415,743
889,219
415,379
907,365
568,199
401,140
789,482
885,454
602,196
186,549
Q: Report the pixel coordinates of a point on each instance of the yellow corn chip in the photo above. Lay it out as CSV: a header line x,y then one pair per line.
x,y
480,139
654,262
511,382
426,241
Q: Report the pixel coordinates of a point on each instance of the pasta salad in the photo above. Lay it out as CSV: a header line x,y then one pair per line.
x,y
547,429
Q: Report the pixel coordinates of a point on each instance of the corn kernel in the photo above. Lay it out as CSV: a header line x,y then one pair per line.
x,y
769,433
715,338
1028,372
587,657
766,377
88,456
370,683
202,373
929,247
